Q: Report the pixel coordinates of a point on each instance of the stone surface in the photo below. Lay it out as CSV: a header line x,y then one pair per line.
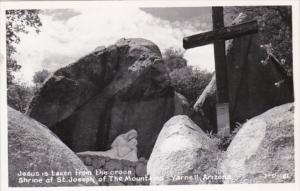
x,y
263,149
252,84
140,169
32,147
123,172
106,93
252,88
182,150
123,147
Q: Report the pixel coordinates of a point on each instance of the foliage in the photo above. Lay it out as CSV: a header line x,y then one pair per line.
x,y
40,76
224,142
185,79
19,96
174,59
190,82
18,21
275,24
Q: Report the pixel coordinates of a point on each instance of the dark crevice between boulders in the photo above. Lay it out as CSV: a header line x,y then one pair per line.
x,y
102,139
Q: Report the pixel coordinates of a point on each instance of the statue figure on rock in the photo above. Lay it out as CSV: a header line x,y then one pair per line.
x,y
123,147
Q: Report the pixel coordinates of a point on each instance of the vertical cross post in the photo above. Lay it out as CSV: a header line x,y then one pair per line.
x,y
222,107
218,37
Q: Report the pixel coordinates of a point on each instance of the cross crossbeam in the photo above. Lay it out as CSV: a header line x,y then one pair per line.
x,y
224,33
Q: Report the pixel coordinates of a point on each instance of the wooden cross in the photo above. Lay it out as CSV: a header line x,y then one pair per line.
x,y
218,37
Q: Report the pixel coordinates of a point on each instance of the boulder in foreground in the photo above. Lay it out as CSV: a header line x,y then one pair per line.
x,y
263,149
181,153
34,149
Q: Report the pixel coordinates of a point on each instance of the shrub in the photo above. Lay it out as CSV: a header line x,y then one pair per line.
x,y
19,96
40,76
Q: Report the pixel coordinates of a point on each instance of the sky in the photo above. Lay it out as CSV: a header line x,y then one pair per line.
x,y
69,34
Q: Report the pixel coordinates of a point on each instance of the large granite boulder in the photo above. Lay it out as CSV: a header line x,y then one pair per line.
x,y
106,93
33,149
252,84
183,154
256,81
263,149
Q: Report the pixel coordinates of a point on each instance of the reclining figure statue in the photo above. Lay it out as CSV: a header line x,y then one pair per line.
x,y
123,147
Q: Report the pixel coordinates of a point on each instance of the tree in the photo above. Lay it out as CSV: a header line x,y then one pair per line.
x,y
190,82
185,79
18,21
19,96
40,76
173,58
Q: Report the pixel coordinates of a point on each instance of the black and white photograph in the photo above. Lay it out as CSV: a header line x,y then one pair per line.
x,y
124,93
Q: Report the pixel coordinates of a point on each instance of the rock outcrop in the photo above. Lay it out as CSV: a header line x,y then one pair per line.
x,y
122,148
182,153
253,81
106,93
33,149
252,84
263,149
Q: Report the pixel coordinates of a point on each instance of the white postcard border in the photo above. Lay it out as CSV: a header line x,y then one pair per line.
x,y
80,4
